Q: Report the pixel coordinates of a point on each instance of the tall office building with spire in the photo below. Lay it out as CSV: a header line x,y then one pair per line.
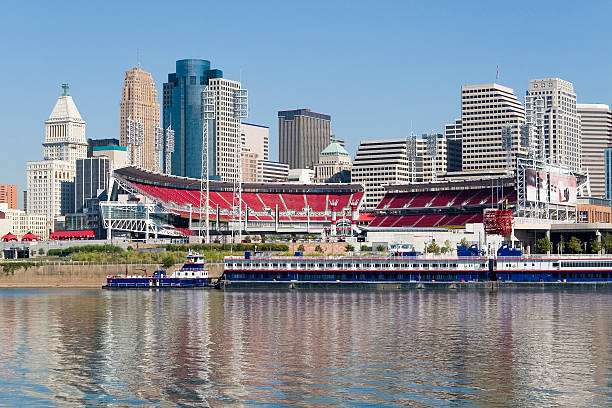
x,y
139,102
50,182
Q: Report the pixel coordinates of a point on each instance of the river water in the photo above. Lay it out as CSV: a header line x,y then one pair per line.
x,y
305,348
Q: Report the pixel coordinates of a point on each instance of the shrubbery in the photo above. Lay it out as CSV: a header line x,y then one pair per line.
x,y
85,248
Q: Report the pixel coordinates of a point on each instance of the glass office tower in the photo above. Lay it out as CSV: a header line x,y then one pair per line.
x,y
182,106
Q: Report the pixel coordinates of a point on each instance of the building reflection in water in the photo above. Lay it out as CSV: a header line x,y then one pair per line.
x,y
307,348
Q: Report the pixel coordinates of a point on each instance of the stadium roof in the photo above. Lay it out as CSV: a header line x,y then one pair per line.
x,y
138,175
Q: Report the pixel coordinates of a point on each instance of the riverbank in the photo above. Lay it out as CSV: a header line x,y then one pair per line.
x,y
80,274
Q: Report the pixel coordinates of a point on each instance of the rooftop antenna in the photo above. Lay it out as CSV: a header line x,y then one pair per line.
x,y
497,73
137,57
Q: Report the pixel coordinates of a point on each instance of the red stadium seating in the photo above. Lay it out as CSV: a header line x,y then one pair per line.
x,y
294,202
317,202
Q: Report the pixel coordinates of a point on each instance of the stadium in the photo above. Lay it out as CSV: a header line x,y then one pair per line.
x,y
146,204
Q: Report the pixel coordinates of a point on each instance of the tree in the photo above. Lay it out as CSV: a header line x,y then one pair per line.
x,y
447,246
380,248
543,245
364,248
607,242
575,245
464,242
433,248
263,238
168,260
41,251
444,250
318,249
595,246
349,248
301,248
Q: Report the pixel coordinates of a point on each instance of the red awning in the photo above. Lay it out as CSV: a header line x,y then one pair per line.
x,y
88,234
30,237
9,237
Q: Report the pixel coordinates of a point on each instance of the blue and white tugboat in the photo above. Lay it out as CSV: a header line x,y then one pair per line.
x,y
192,274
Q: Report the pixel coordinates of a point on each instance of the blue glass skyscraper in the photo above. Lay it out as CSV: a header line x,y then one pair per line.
x,y
182,106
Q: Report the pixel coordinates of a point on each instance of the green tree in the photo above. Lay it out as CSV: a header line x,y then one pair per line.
x,y
464,242
41,251
595,246
448,246
318,249
575,245
380,248
168,260
433,248
301,248
349,248
364,248
607,242
444,250
543,245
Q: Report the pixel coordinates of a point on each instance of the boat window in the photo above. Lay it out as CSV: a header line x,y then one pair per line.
x,y
415,265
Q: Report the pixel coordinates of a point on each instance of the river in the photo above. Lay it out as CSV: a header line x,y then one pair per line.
x,y
423,348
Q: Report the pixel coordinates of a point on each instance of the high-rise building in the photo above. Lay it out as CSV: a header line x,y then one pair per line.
x,y
25,200
302,136
65,131
271,172
338,140
379,163
8,195
452,133
182,111
139,102
562,142
485,111
92,175
249,166
117,155
50,182
596,125
93,143
225,143
608,172
257,139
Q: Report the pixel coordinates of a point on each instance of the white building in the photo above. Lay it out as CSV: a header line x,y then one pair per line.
x,y
485,111
333,160
379,163
257,139
270,172
19,223
65,131
562,129
302,176
227,143
50,182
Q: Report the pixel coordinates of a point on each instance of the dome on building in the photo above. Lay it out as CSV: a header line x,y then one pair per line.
x,y
335,148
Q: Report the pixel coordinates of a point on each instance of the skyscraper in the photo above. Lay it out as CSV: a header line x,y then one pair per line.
x,y
561,121
139,102
485,111
182,111
596,124
452,133
302,136
92,174
50,182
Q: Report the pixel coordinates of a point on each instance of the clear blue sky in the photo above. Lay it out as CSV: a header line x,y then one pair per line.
x,y
377,67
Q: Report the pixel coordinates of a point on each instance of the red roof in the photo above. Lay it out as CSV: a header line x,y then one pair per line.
x,y
30,237
9,237
72,234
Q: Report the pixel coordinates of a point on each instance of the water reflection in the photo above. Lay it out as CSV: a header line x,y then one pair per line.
x,y
209,348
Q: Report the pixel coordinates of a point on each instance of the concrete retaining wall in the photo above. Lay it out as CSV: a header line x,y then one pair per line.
x,y
79,274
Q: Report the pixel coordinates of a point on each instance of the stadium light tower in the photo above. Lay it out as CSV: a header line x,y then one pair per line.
x,y
432,151
411,152
168,149
507,145
208,114
241,111
159,148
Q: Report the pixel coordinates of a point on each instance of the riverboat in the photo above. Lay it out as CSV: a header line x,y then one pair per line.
x,y
192,274
470,265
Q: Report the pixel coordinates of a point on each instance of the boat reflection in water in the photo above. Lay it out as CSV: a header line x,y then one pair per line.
x,y
307,348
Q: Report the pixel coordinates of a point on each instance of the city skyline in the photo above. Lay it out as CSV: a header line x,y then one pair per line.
x,y
422,96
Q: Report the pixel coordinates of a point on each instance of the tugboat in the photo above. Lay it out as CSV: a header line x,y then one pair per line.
x,y
193,274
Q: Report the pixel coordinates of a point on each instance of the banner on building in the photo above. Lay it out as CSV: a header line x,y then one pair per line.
x,y
562,189
531,185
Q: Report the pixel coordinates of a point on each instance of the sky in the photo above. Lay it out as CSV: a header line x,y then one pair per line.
x,y
380,69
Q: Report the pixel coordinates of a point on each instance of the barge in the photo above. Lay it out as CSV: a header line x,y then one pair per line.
x,y
470,265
